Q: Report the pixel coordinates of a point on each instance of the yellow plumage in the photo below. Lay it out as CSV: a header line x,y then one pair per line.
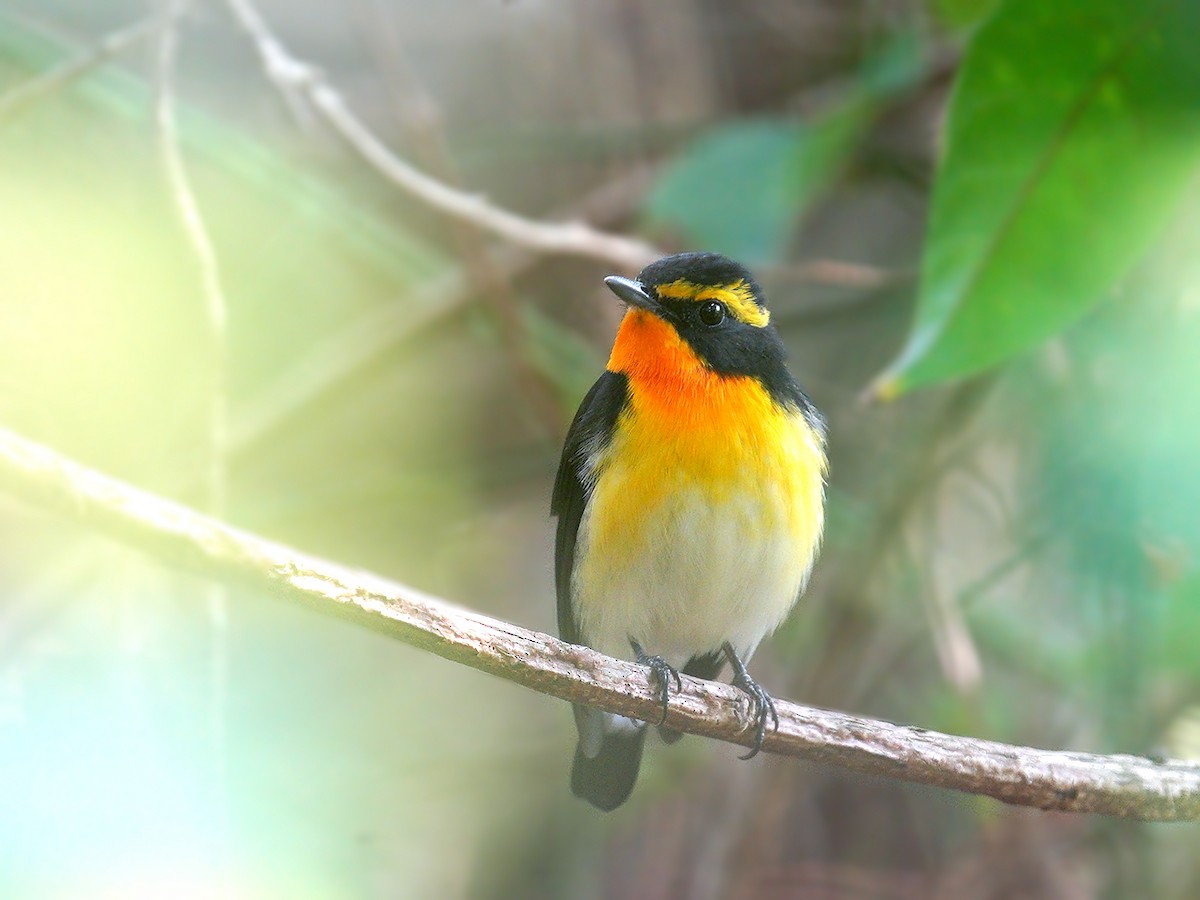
x,y
706,508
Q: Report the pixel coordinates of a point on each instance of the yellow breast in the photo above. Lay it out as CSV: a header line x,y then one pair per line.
x,y
732,444
686,427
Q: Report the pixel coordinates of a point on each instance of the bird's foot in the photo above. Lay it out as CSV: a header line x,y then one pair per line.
x,y
662,673
764,706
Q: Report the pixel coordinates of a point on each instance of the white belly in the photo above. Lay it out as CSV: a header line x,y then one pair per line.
x,y
705,573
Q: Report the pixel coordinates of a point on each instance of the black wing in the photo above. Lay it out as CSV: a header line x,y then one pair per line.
x,y
591,429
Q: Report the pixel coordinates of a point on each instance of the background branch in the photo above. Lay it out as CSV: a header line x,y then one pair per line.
x,y
1127,786
292,75
299,80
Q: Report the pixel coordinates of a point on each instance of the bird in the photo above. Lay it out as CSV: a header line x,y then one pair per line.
x,y
689,500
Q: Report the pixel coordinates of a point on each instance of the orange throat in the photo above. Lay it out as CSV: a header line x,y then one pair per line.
x,y
684,412
651,352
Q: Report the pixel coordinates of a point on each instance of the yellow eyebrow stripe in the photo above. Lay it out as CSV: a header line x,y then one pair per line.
x,y
738,298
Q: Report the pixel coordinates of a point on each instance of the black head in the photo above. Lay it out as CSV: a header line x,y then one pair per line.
x,y
718,308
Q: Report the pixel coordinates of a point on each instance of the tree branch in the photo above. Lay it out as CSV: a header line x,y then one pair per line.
x,y
297,79
1126,786
295,76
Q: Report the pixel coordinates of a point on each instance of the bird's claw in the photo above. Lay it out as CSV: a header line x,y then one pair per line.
x,y
662,673
764,708
764,705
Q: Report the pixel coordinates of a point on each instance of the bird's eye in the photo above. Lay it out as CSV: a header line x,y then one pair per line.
x,y
712,313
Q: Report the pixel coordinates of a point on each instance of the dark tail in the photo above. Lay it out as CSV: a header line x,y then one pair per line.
x,y
606,780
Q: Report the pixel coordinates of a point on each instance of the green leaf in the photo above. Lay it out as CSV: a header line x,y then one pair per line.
x,y
1073,129
741,189
895,66
726,192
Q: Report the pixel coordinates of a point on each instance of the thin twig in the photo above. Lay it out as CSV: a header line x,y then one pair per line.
x,y
569,238
292,75
488,280
20,98
1127,786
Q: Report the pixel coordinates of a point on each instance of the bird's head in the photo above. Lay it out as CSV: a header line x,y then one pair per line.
x,y
696,314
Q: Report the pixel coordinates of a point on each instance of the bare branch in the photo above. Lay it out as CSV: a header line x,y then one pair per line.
x,y
571,238
292,75
1126,786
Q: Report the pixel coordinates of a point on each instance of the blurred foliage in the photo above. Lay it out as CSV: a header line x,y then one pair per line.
x,y
1012,555
561,356
962,14
742,188
1120,503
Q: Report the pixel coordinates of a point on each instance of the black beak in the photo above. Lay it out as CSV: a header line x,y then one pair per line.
x,y
632,293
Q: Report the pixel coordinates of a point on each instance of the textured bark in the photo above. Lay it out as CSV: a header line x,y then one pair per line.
x,y
1126,786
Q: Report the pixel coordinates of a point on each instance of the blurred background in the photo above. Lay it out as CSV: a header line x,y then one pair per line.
x,y
324,358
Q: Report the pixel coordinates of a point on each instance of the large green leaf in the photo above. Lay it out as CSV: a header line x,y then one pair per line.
x,y
1073,128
